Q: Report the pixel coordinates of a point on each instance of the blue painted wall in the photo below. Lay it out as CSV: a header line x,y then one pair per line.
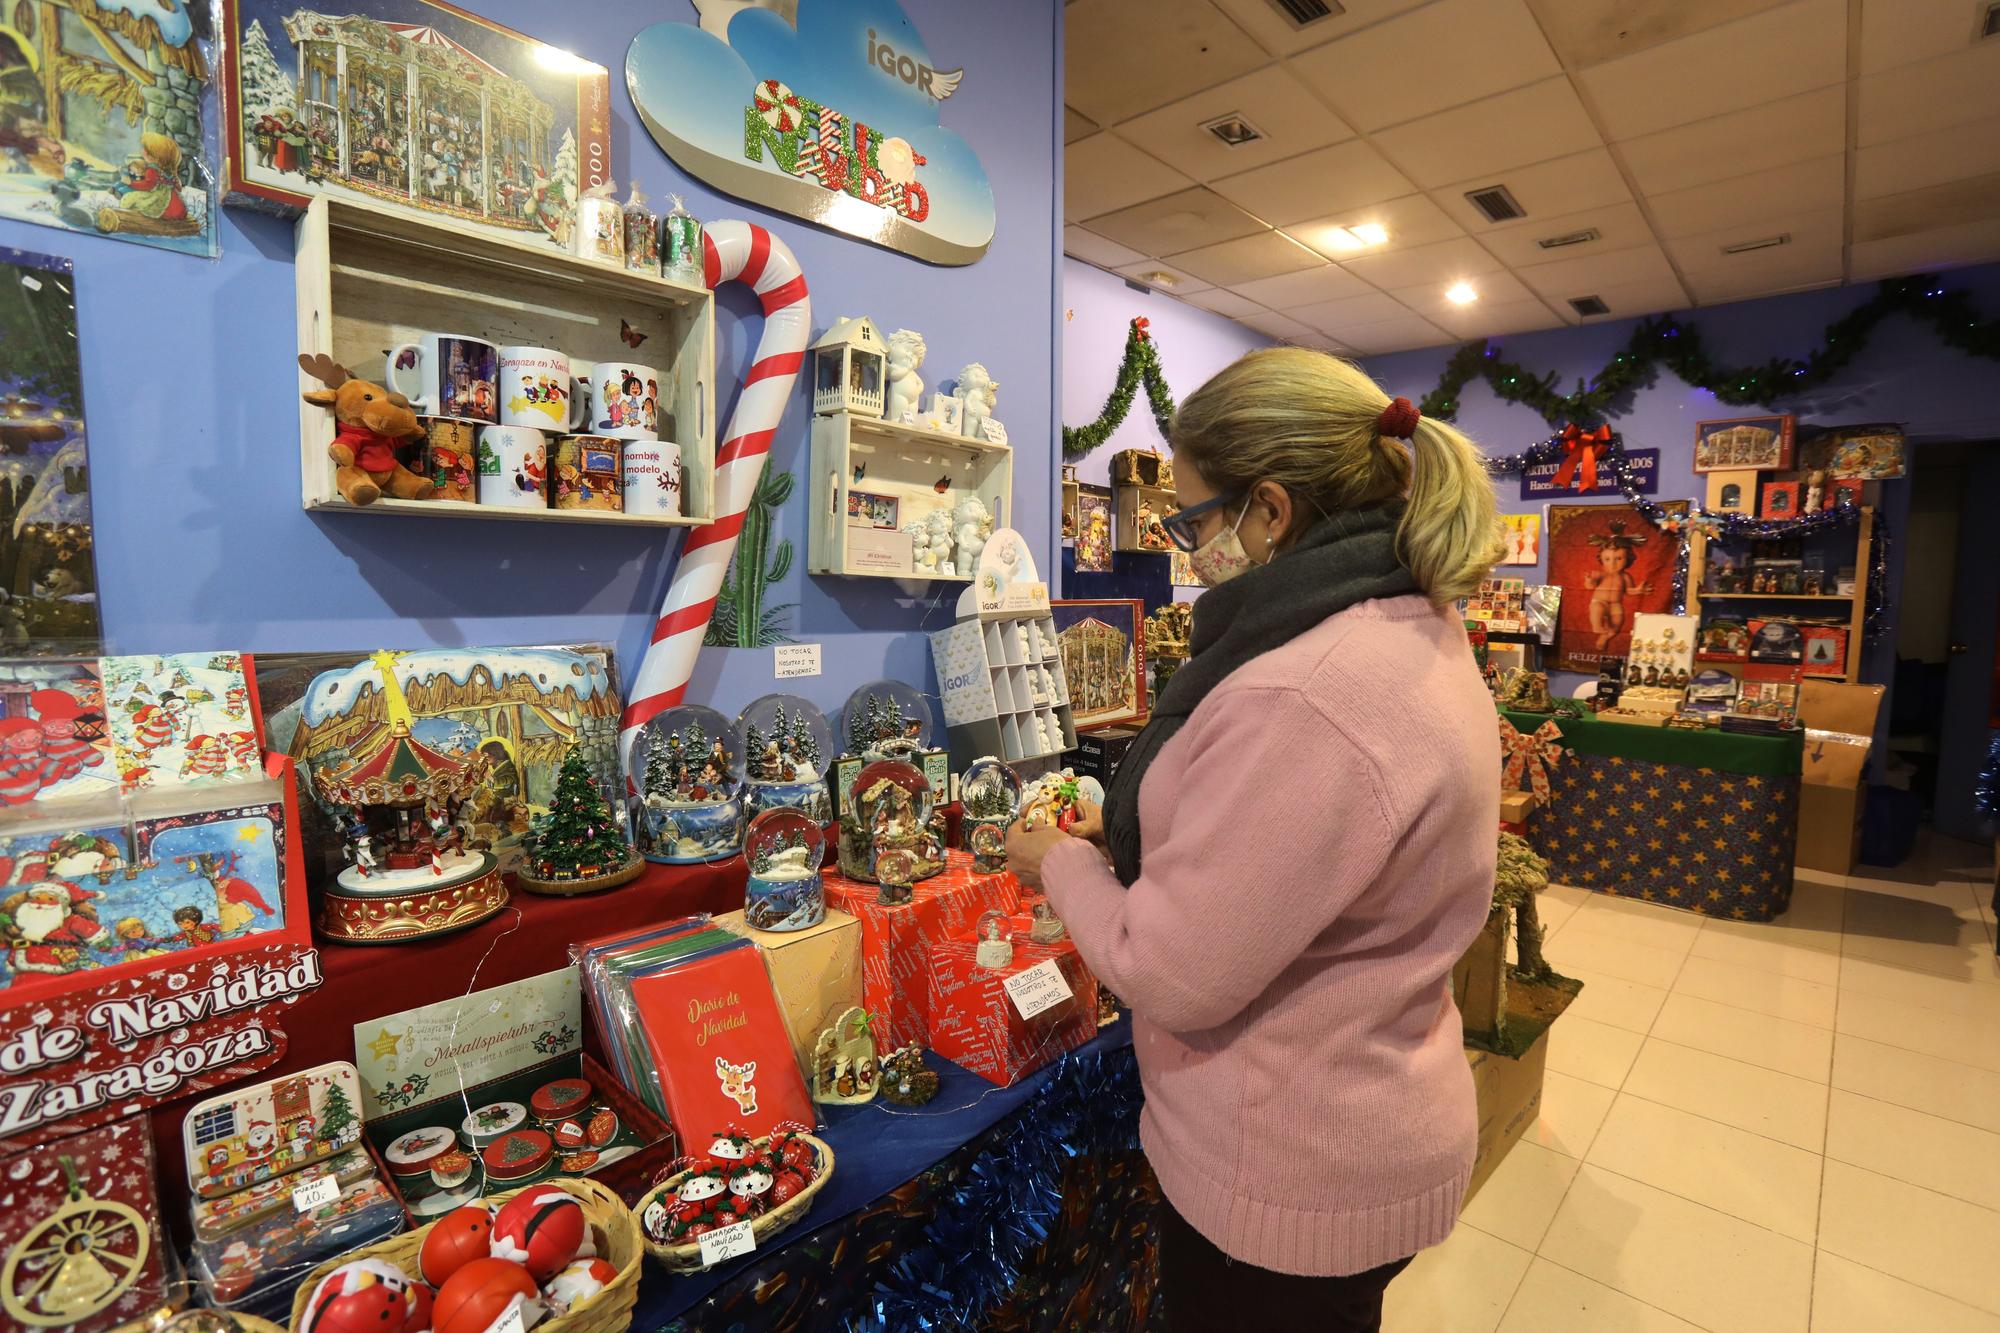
x,y
190,397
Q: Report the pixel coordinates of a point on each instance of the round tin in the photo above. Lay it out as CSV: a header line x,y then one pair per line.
x,y
490,1122
411,1155
518,1155
553,1101
569,1134
601,1128
578,1162
451,1169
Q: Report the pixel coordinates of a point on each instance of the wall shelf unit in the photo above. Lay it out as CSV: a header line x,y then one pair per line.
x,y
369,278
1849,609
891,462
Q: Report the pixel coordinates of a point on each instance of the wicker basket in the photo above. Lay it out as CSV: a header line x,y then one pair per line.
x,y
686,1258
243,1323
611,1223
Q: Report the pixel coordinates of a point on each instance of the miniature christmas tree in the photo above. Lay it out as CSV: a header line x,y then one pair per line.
x,y
1519,876
754,742
804,748
660,765
579,833
336,1117
861,727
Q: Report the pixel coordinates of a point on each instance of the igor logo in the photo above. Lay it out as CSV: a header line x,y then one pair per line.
x,y
935,82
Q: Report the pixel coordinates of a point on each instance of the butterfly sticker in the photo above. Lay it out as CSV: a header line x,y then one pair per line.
x,y
631,335
860,471
942,484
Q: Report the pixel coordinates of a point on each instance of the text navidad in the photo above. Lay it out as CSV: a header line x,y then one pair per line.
x,y
816,143
166,1019
716,1017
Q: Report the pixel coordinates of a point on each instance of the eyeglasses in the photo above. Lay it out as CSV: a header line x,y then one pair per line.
x,y
1181,524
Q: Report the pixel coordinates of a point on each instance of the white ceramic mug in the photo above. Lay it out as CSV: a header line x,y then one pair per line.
x,y
513,467
653,478
537,389
581,393
624,401
448,375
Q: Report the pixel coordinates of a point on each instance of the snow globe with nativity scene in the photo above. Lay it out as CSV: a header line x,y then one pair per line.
x,y
785,848
990,795
785,742
689,768
579,846
891,832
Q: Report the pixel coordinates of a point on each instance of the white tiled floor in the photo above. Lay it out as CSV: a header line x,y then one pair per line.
x,y
1768,1127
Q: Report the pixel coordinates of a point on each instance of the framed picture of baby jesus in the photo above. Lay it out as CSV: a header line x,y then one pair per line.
x,y
1611,564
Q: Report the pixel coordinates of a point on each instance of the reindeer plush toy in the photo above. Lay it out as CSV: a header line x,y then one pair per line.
x,y
369,420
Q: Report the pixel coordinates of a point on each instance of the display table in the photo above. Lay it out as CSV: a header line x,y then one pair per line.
x,y
1705,820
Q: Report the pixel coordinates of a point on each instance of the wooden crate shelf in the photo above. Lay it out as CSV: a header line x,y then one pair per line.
x,y
1125,506
1856,603
369,278
905,462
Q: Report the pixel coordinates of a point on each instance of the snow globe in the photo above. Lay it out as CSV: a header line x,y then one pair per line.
x,y
785,741
785,848
890,833
990,795
1047,927
689,772
996,941
886,719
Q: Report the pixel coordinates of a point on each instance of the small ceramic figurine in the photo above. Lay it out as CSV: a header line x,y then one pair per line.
x,y
906,354
972,526
996,941
977,396
845,1065
905,1080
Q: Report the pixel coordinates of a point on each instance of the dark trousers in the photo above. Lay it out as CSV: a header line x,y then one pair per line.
x,y
1203,1290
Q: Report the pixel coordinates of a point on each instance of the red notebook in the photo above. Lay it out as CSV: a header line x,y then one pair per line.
x,y
719,1042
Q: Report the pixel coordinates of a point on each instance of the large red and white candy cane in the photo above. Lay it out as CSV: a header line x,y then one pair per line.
x,y
746,253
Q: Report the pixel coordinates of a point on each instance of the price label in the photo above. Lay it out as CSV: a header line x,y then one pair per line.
x,y
1041,987
797,659
512,1321
316,1193
727,1243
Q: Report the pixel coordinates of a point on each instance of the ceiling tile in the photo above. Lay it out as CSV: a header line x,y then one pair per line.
x,y
1619,227
1296,289
1754,60
1802,187
1319,342
1291,119
1446,262
1282,327
1104,172
1327,180
1429,300
1590,32
1584,274
1815,235
1972,149
1928,96
1459,50
1545,190
1177,222
1076,125
1647,296
1411,220
1125,57
1909,30
1248,258
1481,320
1921,252
1947,205
1352,312
1281,37
1530,124
1396,335
1094,249
1802,273
1155,274
1798,128
1222,302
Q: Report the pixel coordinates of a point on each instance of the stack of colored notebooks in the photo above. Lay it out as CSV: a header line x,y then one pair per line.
x,y
691,1025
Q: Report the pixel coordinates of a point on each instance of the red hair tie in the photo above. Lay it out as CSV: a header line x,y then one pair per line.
x,y
1399,419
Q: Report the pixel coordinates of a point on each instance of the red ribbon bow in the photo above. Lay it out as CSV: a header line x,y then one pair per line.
x,y
1139,327
1530,755
1581,450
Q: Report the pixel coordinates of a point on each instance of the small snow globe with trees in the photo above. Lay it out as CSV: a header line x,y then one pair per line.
x,y
890,832
785,848
689,774
886,719
990,795
785,743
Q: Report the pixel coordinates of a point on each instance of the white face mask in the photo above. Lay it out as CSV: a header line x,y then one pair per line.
x,y
1222,557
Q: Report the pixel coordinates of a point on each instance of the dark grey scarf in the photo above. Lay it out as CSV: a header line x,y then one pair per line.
x,y
1342,560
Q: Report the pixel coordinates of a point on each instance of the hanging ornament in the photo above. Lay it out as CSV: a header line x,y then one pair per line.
x,y
76,1262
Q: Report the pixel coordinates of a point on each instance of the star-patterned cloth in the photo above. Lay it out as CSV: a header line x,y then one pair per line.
x,y
1709,841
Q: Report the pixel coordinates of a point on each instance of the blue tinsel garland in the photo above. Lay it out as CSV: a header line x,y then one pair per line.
x,y
1986,789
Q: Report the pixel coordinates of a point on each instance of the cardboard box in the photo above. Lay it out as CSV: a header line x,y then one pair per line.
x,y
1732,492
1516,806
1510,1097
1840,726
1100,751
974,1023
816,973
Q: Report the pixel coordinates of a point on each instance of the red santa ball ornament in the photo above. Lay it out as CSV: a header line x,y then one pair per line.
x,y
578,1282
479,1295
541,1228
422,1302
368,1294
455,1240
728,1149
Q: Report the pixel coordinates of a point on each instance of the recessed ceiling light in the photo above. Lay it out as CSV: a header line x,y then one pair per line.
x,y
1461,293
1350,238
1160,278
1370,233
1233,130
1761,243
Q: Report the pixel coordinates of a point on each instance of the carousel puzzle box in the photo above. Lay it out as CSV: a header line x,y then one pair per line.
x,y
974,1021
816,973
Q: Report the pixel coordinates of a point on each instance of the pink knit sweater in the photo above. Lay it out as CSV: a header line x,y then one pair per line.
x,y
1319,845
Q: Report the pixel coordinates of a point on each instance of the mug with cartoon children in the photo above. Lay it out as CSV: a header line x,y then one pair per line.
x,y
450,450
535,389
625,398
588,472
1610,583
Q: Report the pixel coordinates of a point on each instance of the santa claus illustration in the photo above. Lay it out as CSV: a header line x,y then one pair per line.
x,y
259,1140
49,925
64,753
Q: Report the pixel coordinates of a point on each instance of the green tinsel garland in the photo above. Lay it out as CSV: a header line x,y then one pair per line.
x,y
1141,362
1668,340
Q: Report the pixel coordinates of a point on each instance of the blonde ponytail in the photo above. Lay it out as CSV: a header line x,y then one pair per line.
x,y
1311,423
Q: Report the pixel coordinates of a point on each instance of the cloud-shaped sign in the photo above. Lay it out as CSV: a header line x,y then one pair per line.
x,y
833,119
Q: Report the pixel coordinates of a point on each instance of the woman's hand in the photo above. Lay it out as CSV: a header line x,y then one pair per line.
x,y
1088,824
1025,849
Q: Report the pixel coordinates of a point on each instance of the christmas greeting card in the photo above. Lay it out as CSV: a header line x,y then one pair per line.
x,y
53,742
719,1044
80,1231
182,719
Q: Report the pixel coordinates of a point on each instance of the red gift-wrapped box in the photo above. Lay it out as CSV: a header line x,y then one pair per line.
x,y
896,941
974,1023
